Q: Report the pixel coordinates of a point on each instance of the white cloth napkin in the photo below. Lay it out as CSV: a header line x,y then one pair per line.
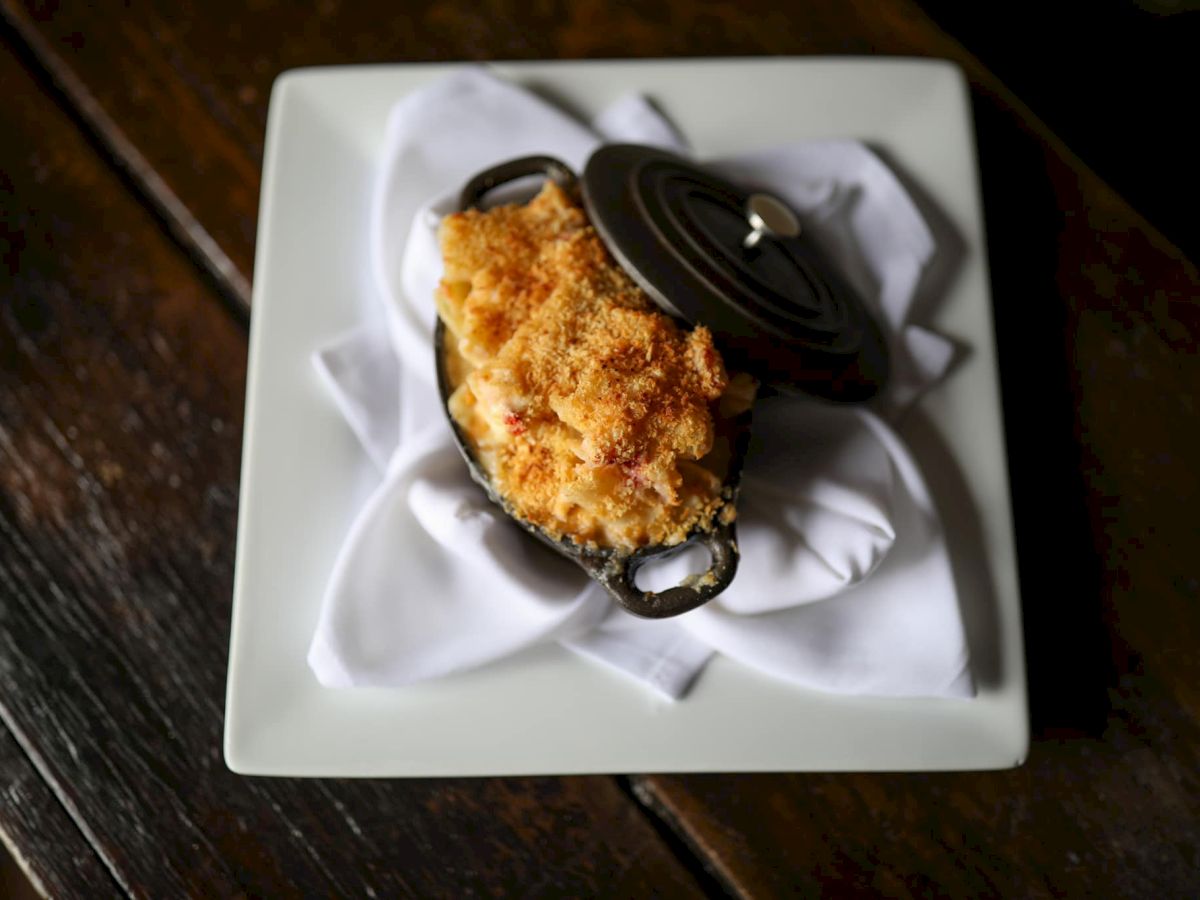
x,y
844,583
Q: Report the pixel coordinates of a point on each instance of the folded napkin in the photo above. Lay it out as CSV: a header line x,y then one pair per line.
x,y
844,583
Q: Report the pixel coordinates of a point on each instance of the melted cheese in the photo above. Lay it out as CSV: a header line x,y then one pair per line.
x,y
591,411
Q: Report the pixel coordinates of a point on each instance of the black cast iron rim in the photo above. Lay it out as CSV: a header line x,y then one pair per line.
x,y
614,570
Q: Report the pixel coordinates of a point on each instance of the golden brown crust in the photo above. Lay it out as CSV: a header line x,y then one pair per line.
x,y
492,278
587,406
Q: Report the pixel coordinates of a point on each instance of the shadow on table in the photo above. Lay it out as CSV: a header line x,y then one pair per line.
x,y
14,884
1069,652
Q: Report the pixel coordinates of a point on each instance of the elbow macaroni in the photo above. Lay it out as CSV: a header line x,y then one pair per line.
x,y
593,413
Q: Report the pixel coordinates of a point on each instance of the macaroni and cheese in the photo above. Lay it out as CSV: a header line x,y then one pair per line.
x,y
594,414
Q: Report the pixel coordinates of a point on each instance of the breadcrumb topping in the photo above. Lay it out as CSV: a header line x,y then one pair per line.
x,y
591,410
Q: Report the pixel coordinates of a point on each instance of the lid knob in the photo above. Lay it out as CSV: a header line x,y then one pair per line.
x,y
769,217
776,307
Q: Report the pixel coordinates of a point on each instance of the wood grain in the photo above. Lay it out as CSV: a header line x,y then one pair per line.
x,y
178,92
1097,321
121,385
33,817
210,66
1098,325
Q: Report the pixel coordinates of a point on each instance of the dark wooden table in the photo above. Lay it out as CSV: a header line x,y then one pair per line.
x,y
130,148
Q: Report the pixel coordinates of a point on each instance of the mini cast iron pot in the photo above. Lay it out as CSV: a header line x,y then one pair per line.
x,y
707,252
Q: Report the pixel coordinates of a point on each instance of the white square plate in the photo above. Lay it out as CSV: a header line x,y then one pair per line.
x,y
548,711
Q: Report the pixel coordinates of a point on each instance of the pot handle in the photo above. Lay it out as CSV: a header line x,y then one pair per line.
x,y
618,574
554,169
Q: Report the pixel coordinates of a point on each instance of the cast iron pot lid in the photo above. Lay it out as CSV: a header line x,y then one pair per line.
x,y
709,252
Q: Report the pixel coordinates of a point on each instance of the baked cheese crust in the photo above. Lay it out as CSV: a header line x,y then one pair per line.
x,y
591,411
